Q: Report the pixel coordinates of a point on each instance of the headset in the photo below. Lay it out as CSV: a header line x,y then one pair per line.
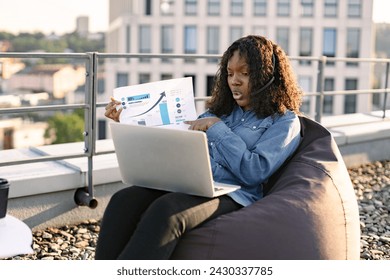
x,y
270,80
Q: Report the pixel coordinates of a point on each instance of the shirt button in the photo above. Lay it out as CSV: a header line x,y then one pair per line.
x,y
211,143
242,119
254,127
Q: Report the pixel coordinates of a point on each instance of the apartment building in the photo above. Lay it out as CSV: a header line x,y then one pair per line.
x,y
309,28
56,79
82,26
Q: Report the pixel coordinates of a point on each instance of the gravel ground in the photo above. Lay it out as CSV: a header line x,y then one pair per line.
x,y
372,188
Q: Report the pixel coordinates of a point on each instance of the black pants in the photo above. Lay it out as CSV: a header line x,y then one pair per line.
x,y
141,223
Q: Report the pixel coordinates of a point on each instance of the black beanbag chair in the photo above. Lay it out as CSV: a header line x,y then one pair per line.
x,y
309,212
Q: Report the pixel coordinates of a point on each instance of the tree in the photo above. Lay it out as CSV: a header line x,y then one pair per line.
x,y
65,128
6,36
26,42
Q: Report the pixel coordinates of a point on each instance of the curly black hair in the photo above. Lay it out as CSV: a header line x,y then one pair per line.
x,y
266,60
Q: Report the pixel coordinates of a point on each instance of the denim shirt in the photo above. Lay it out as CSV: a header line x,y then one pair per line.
x,y
246,150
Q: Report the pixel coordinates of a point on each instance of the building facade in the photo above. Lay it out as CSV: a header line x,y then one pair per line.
x,y
56,79
82,26
309,28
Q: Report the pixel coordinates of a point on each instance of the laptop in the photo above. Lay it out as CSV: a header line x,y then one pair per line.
x,y
166,159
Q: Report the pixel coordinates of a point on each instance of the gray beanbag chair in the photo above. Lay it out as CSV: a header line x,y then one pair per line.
x,y
309,212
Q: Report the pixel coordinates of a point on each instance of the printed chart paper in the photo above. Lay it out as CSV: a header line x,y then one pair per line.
x,y
164,103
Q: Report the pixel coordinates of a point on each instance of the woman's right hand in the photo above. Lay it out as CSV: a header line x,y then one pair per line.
x,y
111,111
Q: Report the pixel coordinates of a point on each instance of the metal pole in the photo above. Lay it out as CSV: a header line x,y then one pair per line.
x,y
320,88
85,196
386,85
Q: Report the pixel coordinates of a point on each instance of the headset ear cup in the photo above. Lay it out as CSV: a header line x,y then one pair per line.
x,y
272,79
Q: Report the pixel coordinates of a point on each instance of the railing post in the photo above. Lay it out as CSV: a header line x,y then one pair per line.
x,y
386,85
320,89
85,196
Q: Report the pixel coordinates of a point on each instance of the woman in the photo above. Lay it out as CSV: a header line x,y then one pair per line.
x,y
252,127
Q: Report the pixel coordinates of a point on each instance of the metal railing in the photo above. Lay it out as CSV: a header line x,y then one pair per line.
x,y
320,93
85,196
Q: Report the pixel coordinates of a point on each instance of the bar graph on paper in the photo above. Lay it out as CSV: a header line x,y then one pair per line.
x,y
162,103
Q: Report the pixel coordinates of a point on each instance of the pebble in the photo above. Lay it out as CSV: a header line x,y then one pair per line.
x,y
372,188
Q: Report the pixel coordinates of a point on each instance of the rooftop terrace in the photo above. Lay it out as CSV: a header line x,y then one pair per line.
x,y
65,184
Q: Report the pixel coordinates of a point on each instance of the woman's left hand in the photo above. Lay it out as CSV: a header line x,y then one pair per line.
x,y
111,111
202,124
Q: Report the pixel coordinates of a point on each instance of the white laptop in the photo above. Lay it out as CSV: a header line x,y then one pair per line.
x,y
166,159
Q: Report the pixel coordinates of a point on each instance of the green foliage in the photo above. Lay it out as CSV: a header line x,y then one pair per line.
x,y
26,42
6,36
82,44
65,128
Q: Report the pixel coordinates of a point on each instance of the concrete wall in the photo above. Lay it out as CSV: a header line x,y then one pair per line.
x,y
57,209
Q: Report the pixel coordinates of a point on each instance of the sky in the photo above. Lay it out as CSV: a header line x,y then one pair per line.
x,y
47,16
59,16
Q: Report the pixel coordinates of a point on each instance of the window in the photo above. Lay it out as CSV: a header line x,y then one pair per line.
x,y
235,33
236,7
190,39
102,133
213,7
353,44
212,41
307,7
101,85
354,8
210,84
350,99
148,7
122,79
329,43
144,78
306,84
166,76
283,38
260,30
328,99
330,8
283,8
260,8
306,44
167,40
145,44
8,139
191,7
